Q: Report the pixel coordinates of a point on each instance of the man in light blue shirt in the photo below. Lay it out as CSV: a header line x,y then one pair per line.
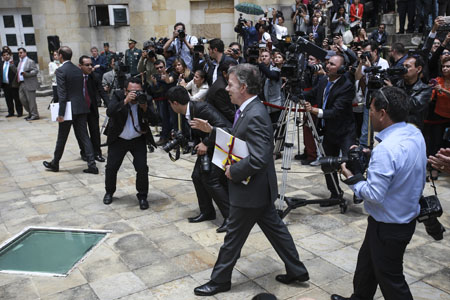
x,y
391,193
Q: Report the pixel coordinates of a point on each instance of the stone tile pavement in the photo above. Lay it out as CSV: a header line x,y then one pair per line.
x,y
157,254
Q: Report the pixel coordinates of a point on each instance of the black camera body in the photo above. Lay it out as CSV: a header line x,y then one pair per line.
x,y
356,161
377,76
181,34
141,97
178,139
253,54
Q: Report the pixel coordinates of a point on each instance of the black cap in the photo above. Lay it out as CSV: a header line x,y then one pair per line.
x,y
106,44
131,41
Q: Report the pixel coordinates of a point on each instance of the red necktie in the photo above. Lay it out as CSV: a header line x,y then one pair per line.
x,y
86,94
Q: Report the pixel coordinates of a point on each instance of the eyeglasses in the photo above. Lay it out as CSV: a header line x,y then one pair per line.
x,y
87,65
446,53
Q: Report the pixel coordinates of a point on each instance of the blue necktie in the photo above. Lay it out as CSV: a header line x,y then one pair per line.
x,y
236,117
5,72
325,98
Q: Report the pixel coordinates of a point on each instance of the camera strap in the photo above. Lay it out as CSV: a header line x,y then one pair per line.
x,y
177,154
132,121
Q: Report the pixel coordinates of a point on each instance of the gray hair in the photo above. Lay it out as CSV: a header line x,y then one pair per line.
x,y
249,75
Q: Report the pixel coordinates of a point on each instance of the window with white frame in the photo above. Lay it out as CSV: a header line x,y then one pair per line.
x,y
109,15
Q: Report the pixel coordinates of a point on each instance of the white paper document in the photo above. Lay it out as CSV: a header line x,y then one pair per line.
x,y
54,110
228,150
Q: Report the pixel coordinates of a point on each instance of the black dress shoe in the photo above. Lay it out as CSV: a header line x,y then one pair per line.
x,y
19,115
223,227
50,166
143,204
337,297
9,115
27,118
287,279
99,158
306,162
202,217
33,118
211,288
107,199
91,170
334,200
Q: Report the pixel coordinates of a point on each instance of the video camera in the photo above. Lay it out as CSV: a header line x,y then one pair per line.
x,y
357,162
253,54
200,47
120,70
159,44
377,76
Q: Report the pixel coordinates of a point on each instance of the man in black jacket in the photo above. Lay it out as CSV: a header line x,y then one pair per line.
x,y
209,184
9,84
128,131
92,86
316,32
334,95
216,49
70,89
218,97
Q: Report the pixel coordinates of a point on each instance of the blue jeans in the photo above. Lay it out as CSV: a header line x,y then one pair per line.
x,y
363,140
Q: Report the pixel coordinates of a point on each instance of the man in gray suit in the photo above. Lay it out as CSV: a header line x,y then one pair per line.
x,y
28,84
252,202
72,87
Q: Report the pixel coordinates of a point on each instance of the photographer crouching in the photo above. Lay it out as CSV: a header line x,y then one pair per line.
x,y
391,193
209,181
128,131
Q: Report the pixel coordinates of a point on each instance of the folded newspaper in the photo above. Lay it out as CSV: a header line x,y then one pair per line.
x,y
229,150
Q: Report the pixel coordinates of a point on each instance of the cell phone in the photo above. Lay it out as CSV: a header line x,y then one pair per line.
x,y
433,82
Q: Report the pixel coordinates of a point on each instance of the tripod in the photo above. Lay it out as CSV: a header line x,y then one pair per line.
x,y
292,203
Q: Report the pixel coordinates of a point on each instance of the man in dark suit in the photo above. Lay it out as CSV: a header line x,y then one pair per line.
x,y
128,131
216,49
218,97
379,35
316,32
9,84
334,95
209,184
70,89
91,87
252,202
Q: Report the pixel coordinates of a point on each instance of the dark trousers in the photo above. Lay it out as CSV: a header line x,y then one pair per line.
x,y
94,133
332,148
55,94
380,261
403,8
433,134
388,5
308,139
79,123
423,10
116,153
168,118
12,98
444,8
241,222
359,118
211,186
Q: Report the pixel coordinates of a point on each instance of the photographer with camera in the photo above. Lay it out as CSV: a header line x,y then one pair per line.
x,y
128,131
147,61
182,44
316,32
209,180
369,58
334,95
235,52
300,18
419,93
391,193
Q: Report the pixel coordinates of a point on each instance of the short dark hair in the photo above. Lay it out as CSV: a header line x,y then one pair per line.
x,y
158,62
135,80
92,48
201,73
420,62
217,44
396,104
22,48
223,67
373,45
236,44
65,52
6,51
178,94
249,75
178,24
82,57
399,48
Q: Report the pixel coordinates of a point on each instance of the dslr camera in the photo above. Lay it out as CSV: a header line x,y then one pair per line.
x,y
178,139
141,97
200,47
357,162
181,34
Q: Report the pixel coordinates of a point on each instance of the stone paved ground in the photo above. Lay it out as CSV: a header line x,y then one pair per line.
x,y
157,254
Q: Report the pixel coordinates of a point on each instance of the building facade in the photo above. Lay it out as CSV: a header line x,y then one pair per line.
x,y
40,25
